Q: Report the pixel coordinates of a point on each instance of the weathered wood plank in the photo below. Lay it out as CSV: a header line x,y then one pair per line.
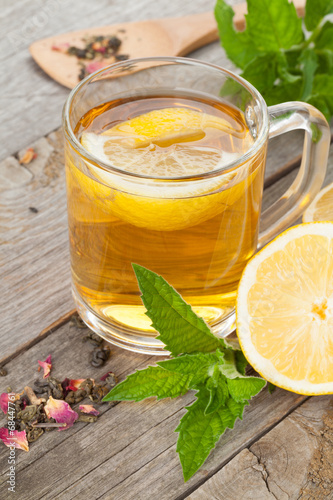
x,y
239,479
293,461
130,451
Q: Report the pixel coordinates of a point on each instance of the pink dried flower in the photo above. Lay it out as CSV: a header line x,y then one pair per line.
x,y
101,49
75,384
94,66
28,156
5,397
61,412
89,409
46,365
61,47
4,402
14,438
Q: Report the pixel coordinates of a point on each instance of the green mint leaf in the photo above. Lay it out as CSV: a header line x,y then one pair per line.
x,y
217,397
315,10
153,381
261,71
284,70
325,61
198,433
200,366
241,362
242,389
228,365
271,387
180,329
273,24
322,93
190,363
324,39
283,93
309,64
238,45
218,391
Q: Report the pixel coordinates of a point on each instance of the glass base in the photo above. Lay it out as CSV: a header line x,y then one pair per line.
x,y
139,340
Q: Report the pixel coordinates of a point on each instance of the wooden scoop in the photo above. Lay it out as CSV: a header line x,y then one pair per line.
x,y
159,37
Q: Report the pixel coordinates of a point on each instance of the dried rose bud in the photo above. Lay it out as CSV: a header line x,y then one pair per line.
x,y
28,156
89,409
74,384
61,47
94,66
61,412
46,365
18,439
5,397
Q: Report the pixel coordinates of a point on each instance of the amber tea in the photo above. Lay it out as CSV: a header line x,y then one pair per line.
x,y
198,236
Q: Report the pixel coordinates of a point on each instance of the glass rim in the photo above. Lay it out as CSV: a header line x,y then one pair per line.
x,y
77,146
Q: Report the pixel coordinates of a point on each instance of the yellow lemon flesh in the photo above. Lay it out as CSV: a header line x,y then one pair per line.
x,y
285,310
160,144
321,208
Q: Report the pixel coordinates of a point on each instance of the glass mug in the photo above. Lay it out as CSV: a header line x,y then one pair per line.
x,y
197,229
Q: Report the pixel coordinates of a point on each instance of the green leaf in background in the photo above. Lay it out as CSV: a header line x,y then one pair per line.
x,y
315,10
239,47
199,432
153,381
273,25
283,93
323,87
277,56
309,62
284,70
261,71
180,329
324,39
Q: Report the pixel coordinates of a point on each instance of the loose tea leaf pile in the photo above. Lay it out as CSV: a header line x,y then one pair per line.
x,y
200,361
96,53
49,404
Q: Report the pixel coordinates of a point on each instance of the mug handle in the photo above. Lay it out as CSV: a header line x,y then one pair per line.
x,y
284,118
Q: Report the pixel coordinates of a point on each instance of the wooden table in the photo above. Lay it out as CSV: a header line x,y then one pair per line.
x,y
283,447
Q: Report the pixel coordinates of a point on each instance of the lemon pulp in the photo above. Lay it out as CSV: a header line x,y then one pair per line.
x,y
285,310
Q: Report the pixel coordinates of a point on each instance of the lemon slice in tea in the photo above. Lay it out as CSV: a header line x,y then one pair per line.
x,y
164,143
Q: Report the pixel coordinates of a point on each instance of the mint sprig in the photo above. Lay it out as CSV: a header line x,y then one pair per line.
x,y
201,361
284,57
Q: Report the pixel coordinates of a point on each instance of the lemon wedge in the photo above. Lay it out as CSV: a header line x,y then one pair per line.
x,y
321,209
285,310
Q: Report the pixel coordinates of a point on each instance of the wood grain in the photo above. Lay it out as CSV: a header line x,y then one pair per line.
x,y
291,462
129,453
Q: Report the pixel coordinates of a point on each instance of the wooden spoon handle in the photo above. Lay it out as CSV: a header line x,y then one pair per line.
x,y
195,31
